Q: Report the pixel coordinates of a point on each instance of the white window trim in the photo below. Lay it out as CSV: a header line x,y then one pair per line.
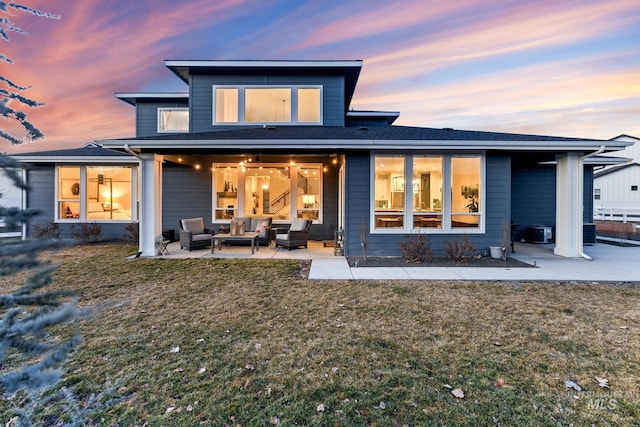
x,y
241,104
446,197
241,183
159,121
83,196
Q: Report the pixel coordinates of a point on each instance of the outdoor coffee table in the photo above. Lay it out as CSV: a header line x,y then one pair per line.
x,y
252,237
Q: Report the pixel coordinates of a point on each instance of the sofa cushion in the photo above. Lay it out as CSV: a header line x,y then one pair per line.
x,y
195,225
298,224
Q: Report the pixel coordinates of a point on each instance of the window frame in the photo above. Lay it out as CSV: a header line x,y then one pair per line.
x,y
83,199
159,117
242,103
241,183
447,212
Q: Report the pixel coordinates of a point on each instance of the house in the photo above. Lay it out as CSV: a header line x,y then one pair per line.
x,y
83,185
279,138
616,193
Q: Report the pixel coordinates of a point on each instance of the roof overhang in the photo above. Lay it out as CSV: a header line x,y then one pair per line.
x,y
134,97
77,159
363,144
350,69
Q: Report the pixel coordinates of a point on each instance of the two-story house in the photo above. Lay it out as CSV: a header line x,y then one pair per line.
x,y
279,138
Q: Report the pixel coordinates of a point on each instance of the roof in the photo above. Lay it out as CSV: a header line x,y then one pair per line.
x,y
89,153
350,69
134,97
614,169
373,137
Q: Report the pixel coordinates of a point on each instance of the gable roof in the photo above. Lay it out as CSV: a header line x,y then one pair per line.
x,y
374,137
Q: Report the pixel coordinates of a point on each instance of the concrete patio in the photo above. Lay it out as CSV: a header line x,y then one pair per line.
x,y
610,263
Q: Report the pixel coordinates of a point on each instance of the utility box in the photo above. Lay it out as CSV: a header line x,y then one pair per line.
x,y
539,234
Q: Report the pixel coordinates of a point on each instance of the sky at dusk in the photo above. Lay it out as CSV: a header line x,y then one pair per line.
x,y
556,67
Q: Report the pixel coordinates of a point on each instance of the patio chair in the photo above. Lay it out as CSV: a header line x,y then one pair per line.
x,y
193,234
296,236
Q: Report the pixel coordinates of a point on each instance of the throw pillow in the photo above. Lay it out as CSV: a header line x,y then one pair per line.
x,y
261,228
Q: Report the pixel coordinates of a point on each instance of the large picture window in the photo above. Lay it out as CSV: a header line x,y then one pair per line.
x,y
427,193
267,105
280,191
97,193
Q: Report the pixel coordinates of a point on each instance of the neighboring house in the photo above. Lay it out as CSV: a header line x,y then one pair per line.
x,y
616,189
279,138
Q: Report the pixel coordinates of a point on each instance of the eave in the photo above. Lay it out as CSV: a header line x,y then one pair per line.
x,y
365,144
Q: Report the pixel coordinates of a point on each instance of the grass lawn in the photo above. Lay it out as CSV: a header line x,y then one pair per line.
x,y
254,343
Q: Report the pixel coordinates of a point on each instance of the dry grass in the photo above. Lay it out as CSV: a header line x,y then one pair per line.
x,y
260,345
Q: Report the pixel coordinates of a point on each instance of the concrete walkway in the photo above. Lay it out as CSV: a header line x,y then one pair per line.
x,y
610,263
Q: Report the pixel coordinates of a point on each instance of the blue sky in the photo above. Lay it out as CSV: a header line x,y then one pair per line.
x,y
567,68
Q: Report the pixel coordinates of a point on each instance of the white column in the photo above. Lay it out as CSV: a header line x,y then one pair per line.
x,y
569,189
150,202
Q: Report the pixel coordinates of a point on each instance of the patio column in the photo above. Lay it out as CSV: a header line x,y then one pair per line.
x,y
150,202
569,189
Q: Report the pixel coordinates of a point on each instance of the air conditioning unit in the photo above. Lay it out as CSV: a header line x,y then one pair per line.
x,y
539,234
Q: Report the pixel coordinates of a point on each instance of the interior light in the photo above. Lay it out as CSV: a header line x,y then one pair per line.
x,y
334,161
179,159
325,169
197,166
292,162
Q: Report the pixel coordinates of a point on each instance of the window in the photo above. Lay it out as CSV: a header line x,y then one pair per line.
x,y
97,193
596,194
389,192
267,105
226,192
173,120
226,105
280,191
634,188
427,193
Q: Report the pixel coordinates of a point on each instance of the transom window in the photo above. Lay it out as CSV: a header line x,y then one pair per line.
x,y
427,193
173,120
267,105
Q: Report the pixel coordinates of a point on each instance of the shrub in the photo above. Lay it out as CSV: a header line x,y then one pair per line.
x,y
459,251
416,249
133,233
88,232
49,230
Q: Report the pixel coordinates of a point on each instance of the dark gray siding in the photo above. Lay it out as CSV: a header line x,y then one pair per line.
x,y
358,208
147,116
201,95
186,193
534,195
41,197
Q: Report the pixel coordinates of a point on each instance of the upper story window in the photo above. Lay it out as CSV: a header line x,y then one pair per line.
x,y
173,120
267,105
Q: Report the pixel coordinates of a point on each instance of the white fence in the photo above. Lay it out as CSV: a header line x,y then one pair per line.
x,y
624,215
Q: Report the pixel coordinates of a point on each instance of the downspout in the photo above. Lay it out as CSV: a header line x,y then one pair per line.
x,y
582,159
